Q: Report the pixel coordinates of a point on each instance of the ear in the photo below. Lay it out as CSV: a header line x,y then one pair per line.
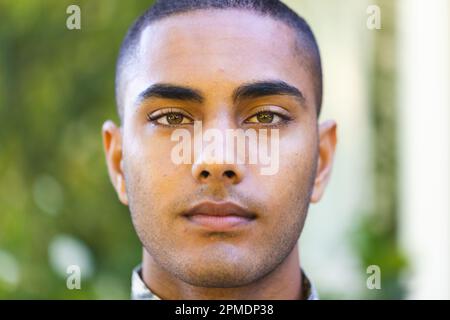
x,y
112,145
327,147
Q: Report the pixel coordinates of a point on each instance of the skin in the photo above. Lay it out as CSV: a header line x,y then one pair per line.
x,y
210,53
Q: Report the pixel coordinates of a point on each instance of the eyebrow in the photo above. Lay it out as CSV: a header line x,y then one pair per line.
x,y
259,89
170,91
249,90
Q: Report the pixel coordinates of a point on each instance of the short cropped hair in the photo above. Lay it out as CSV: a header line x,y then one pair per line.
x,y
271,8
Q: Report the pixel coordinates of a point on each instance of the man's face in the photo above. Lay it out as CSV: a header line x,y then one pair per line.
x,y
215,52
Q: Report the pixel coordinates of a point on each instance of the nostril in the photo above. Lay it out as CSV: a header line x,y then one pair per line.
x,y
204,174
229,173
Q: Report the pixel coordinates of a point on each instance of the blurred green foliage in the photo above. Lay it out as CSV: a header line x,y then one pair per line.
x,y
56,89
375,234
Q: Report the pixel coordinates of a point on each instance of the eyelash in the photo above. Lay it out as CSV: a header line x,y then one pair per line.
x,y
164,113
284,118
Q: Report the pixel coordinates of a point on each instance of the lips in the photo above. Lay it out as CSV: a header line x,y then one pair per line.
x,y
219,216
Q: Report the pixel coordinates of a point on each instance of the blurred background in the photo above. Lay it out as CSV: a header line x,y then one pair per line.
x,y
387,203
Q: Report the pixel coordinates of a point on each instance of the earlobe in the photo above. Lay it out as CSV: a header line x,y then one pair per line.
x,y
123,196
112,144
327,148
122,191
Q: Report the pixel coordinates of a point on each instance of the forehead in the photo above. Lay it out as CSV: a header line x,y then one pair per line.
x,y
218,47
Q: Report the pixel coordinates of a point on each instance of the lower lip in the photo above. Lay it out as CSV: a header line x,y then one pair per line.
x,y
219,223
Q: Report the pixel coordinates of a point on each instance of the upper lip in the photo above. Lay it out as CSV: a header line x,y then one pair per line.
x,y
225,208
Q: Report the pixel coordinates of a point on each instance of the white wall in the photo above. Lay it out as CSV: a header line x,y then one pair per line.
x,y
423,84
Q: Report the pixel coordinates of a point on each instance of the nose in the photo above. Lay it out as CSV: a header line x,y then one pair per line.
x,y
208,168
225,173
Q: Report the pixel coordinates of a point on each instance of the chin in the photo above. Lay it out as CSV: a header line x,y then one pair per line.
x,y
218,271
219,277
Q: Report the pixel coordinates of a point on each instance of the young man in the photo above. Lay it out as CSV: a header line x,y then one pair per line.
x,y
219,229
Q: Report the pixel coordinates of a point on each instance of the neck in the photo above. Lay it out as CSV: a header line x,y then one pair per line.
x,y
282,283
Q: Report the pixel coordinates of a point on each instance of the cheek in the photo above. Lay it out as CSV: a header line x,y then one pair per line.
x,y
297,154
293,182
153,179
140,167
151,155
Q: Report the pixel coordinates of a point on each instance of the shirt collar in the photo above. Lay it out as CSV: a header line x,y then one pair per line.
x,y
139,291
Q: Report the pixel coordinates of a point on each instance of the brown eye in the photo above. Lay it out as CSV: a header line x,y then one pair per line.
x,y
265,117
170,118
174,118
